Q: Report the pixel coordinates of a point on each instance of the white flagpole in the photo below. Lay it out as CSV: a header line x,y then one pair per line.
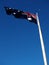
x,y
41,40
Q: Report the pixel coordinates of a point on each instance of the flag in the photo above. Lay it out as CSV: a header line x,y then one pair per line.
x,y
21,14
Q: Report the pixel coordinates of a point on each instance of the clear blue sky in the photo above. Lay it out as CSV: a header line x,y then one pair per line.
x,y
19,39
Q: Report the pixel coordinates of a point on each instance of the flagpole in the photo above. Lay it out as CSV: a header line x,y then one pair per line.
x,y
41,40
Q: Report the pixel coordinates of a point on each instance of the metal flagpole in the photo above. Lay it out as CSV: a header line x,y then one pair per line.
x,y
41,40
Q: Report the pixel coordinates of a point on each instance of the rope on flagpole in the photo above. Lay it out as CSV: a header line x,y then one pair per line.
x,y
41,40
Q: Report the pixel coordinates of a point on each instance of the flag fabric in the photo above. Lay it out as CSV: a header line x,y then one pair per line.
x,y
21,14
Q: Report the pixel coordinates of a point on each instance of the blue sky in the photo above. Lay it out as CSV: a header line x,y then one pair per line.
x,y
19,39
